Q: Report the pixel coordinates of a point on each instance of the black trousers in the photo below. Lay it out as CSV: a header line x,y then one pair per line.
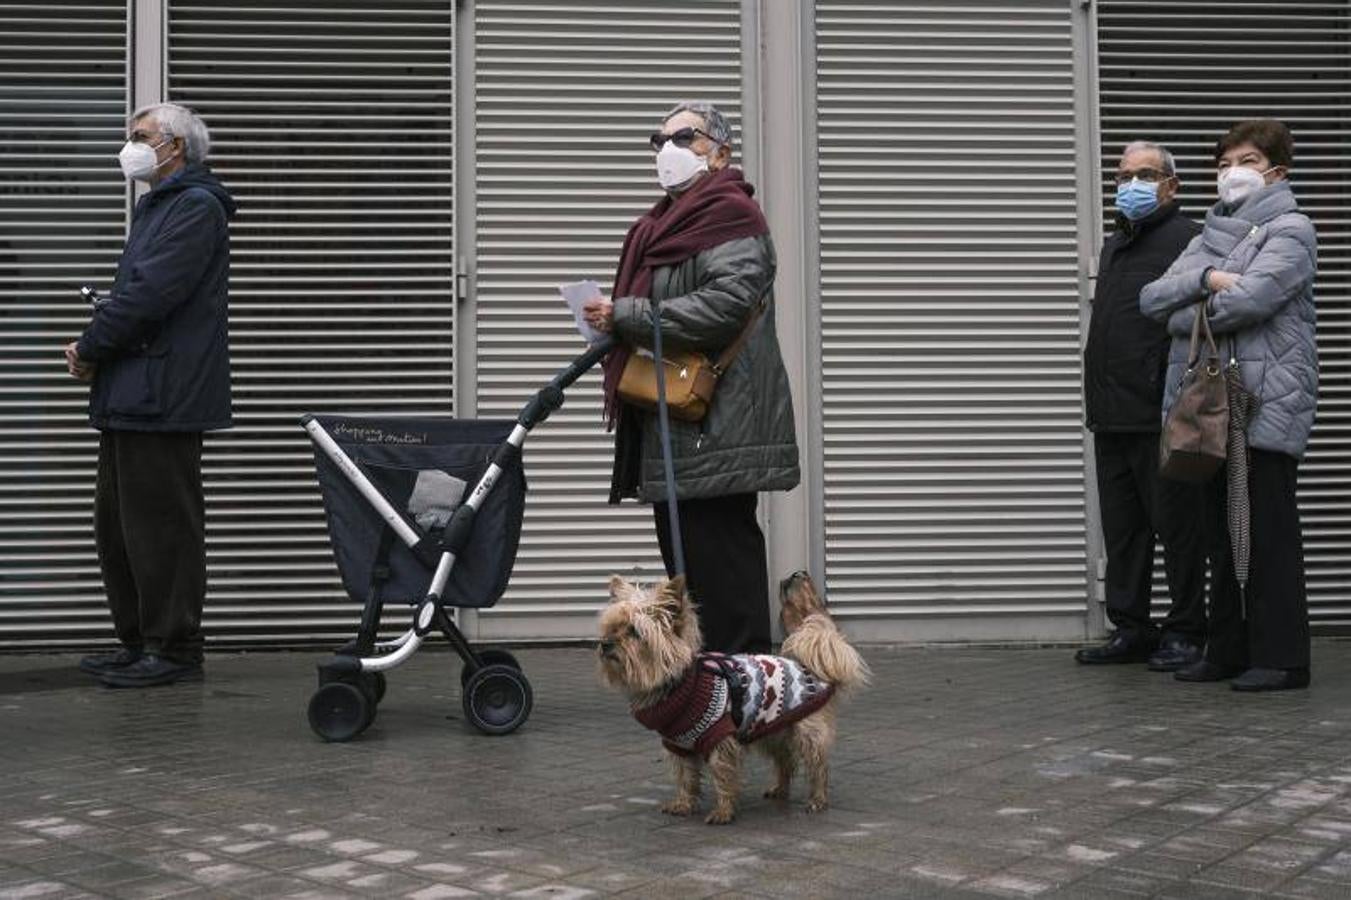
x,y
1273,631
725,568
1137,504
150,526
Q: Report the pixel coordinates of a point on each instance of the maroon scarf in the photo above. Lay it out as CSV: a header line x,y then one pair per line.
x,y
717,209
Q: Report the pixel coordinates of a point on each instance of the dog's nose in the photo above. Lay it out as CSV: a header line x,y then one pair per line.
x,y
606,648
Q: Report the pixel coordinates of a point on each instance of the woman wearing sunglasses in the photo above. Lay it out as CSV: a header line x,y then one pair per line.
x,y
1254,266
701,260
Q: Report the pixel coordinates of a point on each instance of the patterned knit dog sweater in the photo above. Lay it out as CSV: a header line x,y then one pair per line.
x,y
745,695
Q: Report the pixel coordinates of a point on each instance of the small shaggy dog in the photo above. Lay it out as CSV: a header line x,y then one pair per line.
x,y
708,706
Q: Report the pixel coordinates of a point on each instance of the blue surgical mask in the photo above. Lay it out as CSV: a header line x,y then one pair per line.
x,y
1137,199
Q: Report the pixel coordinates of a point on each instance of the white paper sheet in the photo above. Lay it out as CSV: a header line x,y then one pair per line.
x,y
577,293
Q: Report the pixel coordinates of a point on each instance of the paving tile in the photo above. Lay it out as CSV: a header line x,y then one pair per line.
x,y
1120,882
49,889
152,888
1239,877
105,877
1307,888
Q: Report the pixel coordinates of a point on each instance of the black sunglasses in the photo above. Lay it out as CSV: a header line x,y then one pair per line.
x,y
681,137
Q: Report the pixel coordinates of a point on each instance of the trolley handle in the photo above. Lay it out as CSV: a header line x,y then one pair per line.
x,y
583,364
550,397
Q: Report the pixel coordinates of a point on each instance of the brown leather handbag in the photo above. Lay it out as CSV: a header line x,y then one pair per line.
x,y
691,377
1195,434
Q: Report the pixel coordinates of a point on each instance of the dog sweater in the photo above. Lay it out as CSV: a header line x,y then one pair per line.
x,y
745,695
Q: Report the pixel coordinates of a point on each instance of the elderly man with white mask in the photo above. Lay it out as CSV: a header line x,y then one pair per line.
x,y
701,261
157,355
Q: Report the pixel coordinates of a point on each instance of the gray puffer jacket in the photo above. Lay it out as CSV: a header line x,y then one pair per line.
x,y
1266,320
746,443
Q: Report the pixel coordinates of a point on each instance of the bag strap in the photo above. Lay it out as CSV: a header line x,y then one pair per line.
x,y
734,348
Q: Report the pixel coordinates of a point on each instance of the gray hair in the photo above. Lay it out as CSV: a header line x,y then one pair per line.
x,y
181,122
1167,158
715,123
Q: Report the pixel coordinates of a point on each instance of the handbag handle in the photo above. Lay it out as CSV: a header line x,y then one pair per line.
x,y
1201,324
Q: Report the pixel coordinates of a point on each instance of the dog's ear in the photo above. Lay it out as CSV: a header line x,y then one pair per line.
x,y
671,597
676,587
618,587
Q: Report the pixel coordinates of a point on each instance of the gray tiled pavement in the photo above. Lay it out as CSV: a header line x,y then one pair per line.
x,y
962,773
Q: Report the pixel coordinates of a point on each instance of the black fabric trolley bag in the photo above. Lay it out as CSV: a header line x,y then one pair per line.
x,y
425,512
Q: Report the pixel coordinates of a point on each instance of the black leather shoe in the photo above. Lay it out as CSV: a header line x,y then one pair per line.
x,y
108,662
1271,680
1120,648
151,671
1174,654
1205,670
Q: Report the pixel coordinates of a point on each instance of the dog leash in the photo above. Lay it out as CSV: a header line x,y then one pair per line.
x,y
664,427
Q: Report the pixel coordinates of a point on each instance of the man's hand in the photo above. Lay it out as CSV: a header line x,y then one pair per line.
x,y
599,314
76,366
1218,281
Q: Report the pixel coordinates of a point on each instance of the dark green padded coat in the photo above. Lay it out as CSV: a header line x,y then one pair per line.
x,y
746,443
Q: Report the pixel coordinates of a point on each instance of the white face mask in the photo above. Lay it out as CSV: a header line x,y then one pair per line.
x,y
139,161
678,166
1237,182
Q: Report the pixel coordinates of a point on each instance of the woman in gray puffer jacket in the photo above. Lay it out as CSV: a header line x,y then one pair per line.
x,y
1254,265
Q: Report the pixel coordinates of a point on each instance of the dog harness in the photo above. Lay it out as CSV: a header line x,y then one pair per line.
x,y
743,695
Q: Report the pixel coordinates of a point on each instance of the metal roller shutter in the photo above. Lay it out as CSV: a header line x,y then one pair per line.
x,y
954,476
1181,73
566,94
63,206
332,126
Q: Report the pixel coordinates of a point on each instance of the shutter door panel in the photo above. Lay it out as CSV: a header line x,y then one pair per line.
x,y
332,126
566,95
1180,73
63,206
954,477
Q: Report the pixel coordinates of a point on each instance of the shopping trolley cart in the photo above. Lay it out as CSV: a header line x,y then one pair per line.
x,y
426,511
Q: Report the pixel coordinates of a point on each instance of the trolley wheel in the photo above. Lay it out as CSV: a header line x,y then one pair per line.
x,y
375,681
340,711
497,699
491,656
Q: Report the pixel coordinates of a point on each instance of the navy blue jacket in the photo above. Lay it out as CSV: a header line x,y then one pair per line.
x,y
161,339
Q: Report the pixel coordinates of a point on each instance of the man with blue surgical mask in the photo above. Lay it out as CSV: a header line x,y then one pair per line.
x,y
1124,363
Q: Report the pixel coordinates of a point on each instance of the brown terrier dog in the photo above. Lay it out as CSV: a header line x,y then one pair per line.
x,y
708,706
